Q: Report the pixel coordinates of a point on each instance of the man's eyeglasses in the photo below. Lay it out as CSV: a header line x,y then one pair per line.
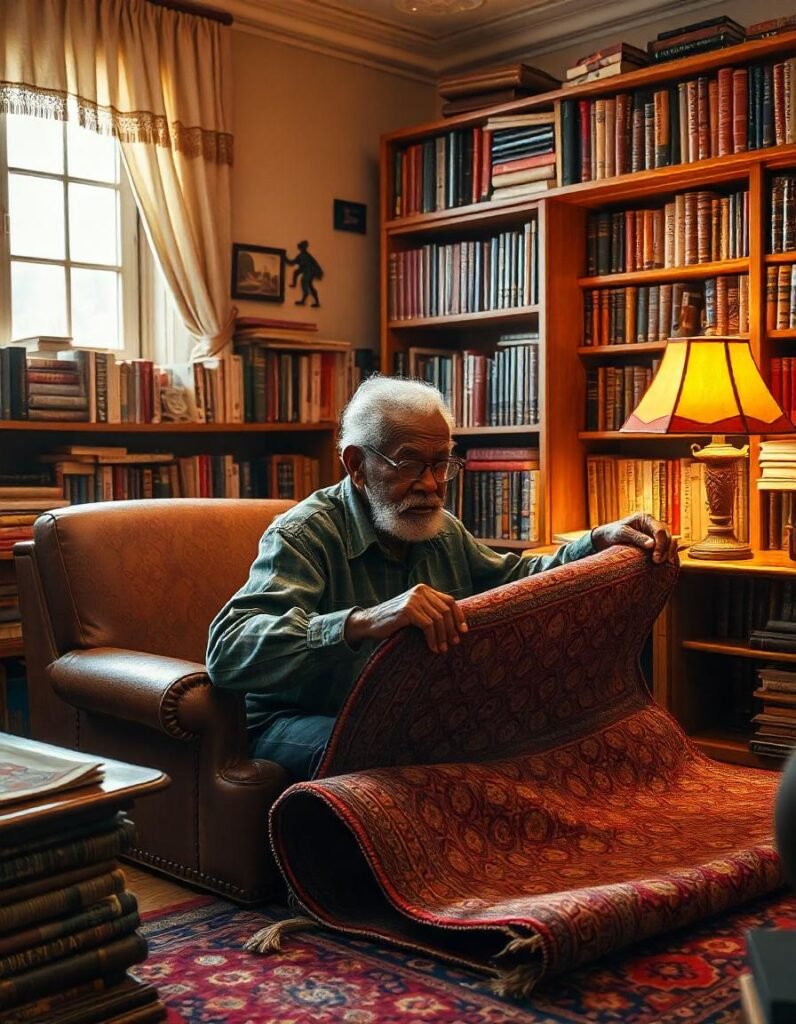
x,y
413,469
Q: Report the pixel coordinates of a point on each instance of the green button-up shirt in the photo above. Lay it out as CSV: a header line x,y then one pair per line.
x,y
281,637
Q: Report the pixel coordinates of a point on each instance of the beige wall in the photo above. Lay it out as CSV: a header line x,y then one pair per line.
x,y
307,131
743,12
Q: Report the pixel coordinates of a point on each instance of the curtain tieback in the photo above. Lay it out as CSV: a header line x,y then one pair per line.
x,y
216,344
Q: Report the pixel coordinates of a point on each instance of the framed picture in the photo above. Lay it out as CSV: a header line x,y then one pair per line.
x,y
258,272
350,216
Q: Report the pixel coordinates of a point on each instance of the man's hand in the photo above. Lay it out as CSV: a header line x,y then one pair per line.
x,y
641,531
438,615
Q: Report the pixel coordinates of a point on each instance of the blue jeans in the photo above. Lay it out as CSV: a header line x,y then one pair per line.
x,y
297,742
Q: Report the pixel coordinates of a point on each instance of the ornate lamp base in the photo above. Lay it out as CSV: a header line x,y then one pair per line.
x,y
721,474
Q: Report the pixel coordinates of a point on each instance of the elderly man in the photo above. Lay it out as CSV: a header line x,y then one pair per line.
x,y
355,562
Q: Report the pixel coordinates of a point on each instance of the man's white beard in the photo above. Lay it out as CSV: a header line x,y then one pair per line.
x,y
387,517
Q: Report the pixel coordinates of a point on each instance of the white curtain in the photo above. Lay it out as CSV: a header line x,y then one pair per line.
x,y
160,81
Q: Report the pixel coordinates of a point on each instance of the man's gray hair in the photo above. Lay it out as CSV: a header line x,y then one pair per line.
x,y
381,403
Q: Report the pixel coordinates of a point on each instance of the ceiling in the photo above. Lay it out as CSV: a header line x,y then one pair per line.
x,y
423,46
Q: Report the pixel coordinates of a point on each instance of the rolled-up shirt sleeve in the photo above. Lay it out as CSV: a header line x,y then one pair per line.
x,y
271,631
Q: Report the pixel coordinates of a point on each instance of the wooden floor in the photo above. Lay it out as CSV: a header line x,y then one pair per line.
x,y
154,892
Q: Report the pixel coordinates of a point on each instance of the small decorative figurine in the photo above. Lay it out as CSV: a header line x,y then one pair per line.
x,y
309,270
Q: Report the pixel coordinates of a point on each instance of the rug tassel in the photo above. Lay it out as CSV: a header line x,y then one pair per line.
x,y
521,979
269,940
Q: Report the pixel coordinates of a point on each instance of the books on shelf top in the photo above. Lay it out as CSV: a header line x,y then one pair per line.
x,y
250,323
506,76
27,771
265,337
45,342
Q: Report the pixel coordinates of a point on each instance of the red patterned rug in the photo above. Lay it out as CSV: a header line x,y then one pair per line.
x,y
204,977
520,805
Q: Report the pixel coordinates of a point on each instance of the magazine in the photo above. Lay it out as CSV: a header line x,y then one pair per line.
x,y
28,769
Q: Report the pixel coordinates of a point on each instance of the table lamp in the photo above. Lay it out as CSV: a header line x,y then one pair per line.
x,y
711,385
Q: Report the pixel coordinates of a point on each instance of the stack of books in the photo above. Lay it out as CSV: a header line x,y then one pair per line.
x,y
67,924
777,462
771,27
699,37
523,159
486,87
775,725
616,59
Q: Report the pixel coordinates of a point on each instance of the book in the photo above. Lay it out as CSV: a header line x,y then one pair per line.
x,y
772,956
500,122
721,20
507,76
477,101
45,342
26,772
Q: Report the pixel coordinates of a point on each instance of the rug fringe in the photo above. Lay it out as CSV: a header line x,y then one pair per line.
x,y
520,980
269,940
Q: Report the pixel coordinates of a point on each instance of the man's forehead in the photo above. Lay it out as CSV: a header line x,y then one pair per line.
x,y
418,444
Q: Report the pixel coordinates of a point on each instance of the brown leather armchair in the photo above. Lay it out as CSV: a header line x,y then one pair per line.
x,y
116,602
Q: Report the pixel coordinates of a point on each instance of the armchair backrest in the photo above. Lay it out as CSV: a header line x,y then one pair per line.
x,y
145,575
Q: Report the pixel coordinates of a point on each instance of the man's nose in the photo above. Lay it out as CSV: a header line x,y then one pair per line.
x,y
427,480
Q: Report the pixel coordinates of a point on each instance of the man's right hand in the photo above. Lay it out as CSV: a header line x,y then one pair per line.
x,y
438,615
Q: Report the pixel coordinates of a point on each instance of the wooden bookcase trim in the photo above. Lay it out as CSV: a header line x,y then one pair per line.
x,y
482,215
781,257
67,427
690,272
630,349
495,431
486,316
11,648
736,650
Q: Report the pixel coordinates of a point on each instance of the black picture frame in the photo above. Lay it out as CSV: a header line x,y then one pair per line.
x,y
349,216
258,273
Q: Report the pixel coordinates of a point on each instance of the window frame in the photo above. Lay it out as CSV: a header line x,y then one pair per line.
x,y
128,226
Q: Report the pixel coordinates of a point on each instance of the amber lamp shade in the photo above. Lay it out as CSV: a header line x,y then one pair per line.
x,y
711,386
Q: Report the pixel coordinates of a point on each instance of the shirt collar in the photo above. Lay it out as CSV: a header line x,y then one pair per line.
x,y
359,529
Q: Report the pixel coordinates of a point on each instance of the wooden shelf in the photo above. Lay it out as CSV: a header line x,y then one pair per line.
x,y
487,316
633,348
483,215
6,556
618,435
773,563
165,428
781,257
690,272
732,748
11,648
487,431
782,332
735,649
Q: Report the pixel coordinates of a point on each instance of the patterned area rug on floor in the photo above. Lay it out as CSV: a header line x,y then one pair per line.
x,y
196,961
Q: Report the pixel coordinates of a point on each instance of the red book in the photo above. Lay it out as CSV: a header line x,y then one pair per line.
x,y
478,151
776,379
486,163
584,107
725,111
739,109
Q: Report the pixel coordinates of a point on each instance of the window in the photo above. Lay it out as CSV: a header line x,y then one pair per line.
x,y
68,254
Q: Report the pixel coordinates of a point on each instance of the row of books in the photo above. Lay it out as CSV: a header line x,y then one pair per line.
x,y
294,386
286,377
781,297
782,384
739,605
648,313
463,166
482,390
497,495
779,511
447,279
735,110
782,213
613,392
672,490
695,227
100,474
775,724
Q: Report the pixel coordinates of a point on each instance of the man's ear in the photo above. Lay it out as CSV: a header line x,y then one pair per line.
x,y
354,462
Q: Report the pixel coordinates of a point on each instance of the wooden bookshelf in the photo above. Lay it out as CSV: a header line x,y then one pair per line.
x,y
687,652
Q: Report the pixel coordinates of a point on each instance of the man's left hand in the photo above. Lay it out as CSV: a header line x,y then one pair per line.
x,y
641,531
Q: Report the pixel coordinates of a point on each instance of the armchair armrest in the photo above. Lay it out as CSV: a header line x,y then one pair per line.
x,y
170,695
